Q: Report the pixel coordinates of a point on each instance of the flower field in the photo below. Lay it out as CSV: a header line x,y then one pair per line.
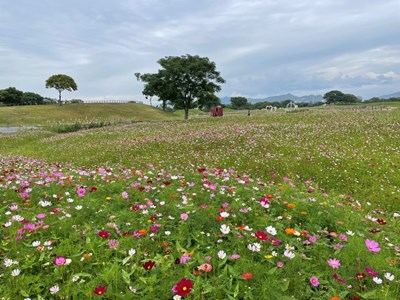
x,y
276,206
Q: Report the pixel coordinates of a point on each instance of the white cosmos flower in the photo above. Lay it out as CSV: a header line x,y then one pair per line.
x,y
271,230
377,280
131,252
225,229
54,289
224,214
389,276
15,272
36,243
8,262
221,254
289,254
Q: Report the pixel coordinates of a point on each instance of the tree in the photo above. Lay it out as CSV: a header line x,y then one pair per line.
x,y
206,101
155,86
238,102
29,98
333,97
183,80
11,96
61,82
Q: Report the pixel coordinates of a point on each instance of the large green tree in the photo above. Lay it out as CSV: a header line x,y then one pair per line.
x,y
238,102
11,96
61,82
338,97
183,80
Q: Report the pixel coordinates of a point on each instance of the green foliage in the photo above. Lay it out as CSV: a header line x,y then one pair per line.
x,y
11,96
238,102
61,82
337,97
185,81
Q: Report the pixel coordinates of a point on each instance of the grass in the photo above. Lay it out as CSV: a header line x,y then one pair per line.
x,y
47,115
325,180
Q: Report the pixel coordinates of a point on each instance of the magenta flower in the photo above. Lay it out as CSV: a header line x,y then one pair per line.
x,y
184,217
60,261
334,263
372,245
314,281
371,272
81,192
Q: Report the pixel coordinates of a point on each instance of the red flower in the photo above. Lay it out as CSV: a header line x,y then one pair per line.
x,y
183,287
360,275
103,234
247,276
201,170
92,189
167,182
261,235
381,221
148,265
100,290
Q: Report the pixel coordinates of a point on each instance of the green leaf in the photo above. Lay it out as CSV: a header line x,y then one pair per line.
x,y
125,260
126,277
236,291
285,285
272,271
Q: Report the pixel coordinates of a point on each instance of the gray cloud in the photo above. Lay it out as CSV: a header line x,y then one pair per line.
x,y
262,48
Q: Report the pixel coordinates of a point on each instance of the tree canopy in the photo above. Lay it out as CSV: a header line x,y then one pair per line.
x,y
337,97
185,81
238,102
61,82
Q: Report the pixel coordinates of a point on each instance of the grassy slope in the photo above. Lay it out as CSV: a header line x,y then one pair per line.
x,y
48,114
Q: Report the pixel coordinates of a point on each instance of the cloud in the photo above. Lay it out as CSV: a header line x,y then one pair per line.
x,y
261,47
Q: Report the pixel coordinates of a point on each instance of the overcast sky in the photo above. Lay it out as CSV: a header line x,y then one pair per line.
x,y
262,48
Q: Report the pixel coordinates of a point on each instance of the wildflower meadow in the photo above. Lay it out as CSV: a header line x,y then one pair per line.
x,y
274,206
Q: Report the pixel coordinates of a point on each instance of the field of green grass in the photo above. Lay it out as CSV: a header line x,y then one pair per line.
x,y
277,205
45,115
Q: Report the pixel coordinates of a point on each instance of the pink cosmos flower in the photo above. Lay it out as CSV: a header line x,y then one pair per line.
x,y
314,281
372,245
184,217
60,261
334,263
81,192
113,243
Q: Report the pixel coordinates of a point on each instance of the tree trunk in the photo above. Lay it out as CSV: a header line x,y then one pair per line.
x,y
59,97
186,113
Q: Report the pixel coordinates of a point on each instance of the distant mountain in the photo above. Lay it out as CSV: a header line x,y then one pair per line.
x,y
279,98
394,95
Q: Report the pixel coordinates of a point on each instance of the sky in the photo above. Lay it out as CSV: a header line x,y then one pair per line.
x,y
261,48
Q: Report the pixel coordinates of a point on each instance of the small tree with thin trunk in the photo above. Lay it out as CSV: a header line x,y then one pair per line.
x,y
61,82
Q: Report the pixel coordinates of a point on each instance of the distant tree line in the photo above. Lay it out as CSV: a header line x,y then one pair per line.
x,y
241,103
377,99
12,97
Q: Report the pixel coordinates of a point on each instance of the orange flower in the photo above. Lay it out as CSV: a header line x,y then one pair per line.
x,y
164,244
335,298
291,205
290,231
303,213
142,231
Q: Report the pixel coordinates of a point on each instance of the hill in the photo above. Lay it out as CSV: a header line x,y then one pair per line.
x,y
70,113
393,95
